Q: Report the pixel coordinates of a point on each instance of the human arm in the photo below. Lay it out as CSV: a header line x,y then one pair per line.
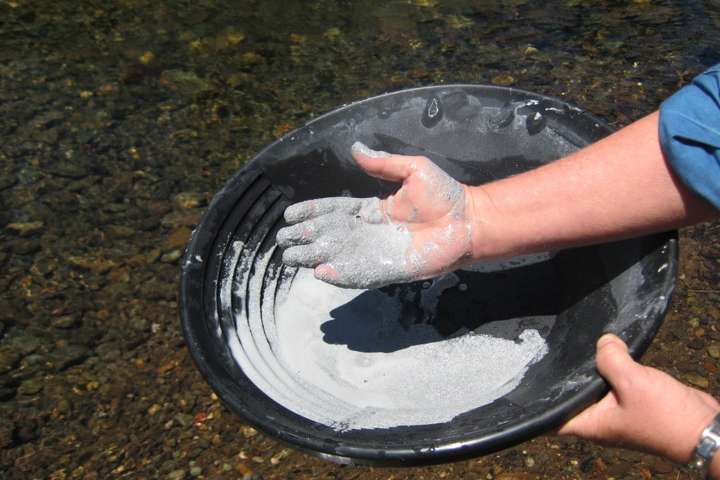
x,y
646,409
619,187
661,172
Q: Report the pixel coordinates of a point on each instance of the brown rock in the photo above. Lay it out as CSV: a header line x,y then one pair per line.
x,y
25,229
697,380
515,476
645,473
661,466
503,79
108,89
9,359
188,218
600,465
119,275
91,263
172,256
188,200
176,475
276,459
7,429
25,246
178,238
31,386
243,469
282,129
153,255
119,231
144,259
184,82
65,322
248,432
166,367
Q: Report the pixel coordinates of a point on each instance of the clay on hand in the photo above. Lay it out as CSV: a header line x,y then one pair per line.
x,y
419,232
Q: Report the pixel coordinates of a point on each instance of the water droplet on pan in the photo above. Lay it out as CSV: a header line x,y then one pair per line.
x,y
535,122
433,108
433,113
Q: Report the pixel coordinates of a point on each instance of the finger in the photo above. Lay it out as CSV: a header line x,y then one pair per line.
x,y
330,274
305,232
294,235
395,168
615,364
302,211
327,273
578,424
308,256
589,422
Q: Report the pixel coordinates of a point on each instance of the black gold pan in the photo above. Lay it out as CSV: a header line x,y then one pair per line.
x,y
232,273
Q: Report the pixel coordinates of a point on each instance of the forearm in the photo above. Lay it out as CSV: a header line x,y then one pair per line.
x,y
597,194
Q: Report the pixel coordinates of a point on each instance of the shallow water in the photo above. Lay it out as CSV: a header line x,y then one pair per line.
x,y
119,120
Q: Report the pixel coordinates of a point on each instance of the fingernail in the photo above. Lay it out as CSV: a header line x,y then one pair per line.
x,y
325,272
606,339
360,147
288,258
283,237
298,211
289,214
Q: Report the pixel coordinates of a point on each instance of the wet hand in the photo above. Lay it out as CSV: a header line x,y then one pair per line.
x,y
419,232
646,409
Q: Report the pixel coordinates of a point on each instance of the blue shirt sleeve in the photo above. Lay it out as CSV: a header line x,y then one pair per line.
x,y
690,134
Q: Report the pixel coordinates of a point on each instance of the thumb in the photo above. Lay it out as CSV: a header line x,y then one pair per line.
x,y
615,363
395,168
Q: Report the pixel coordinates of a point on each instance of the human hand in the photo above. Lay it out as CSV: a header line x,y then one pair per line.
x,y
419,232
646,409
